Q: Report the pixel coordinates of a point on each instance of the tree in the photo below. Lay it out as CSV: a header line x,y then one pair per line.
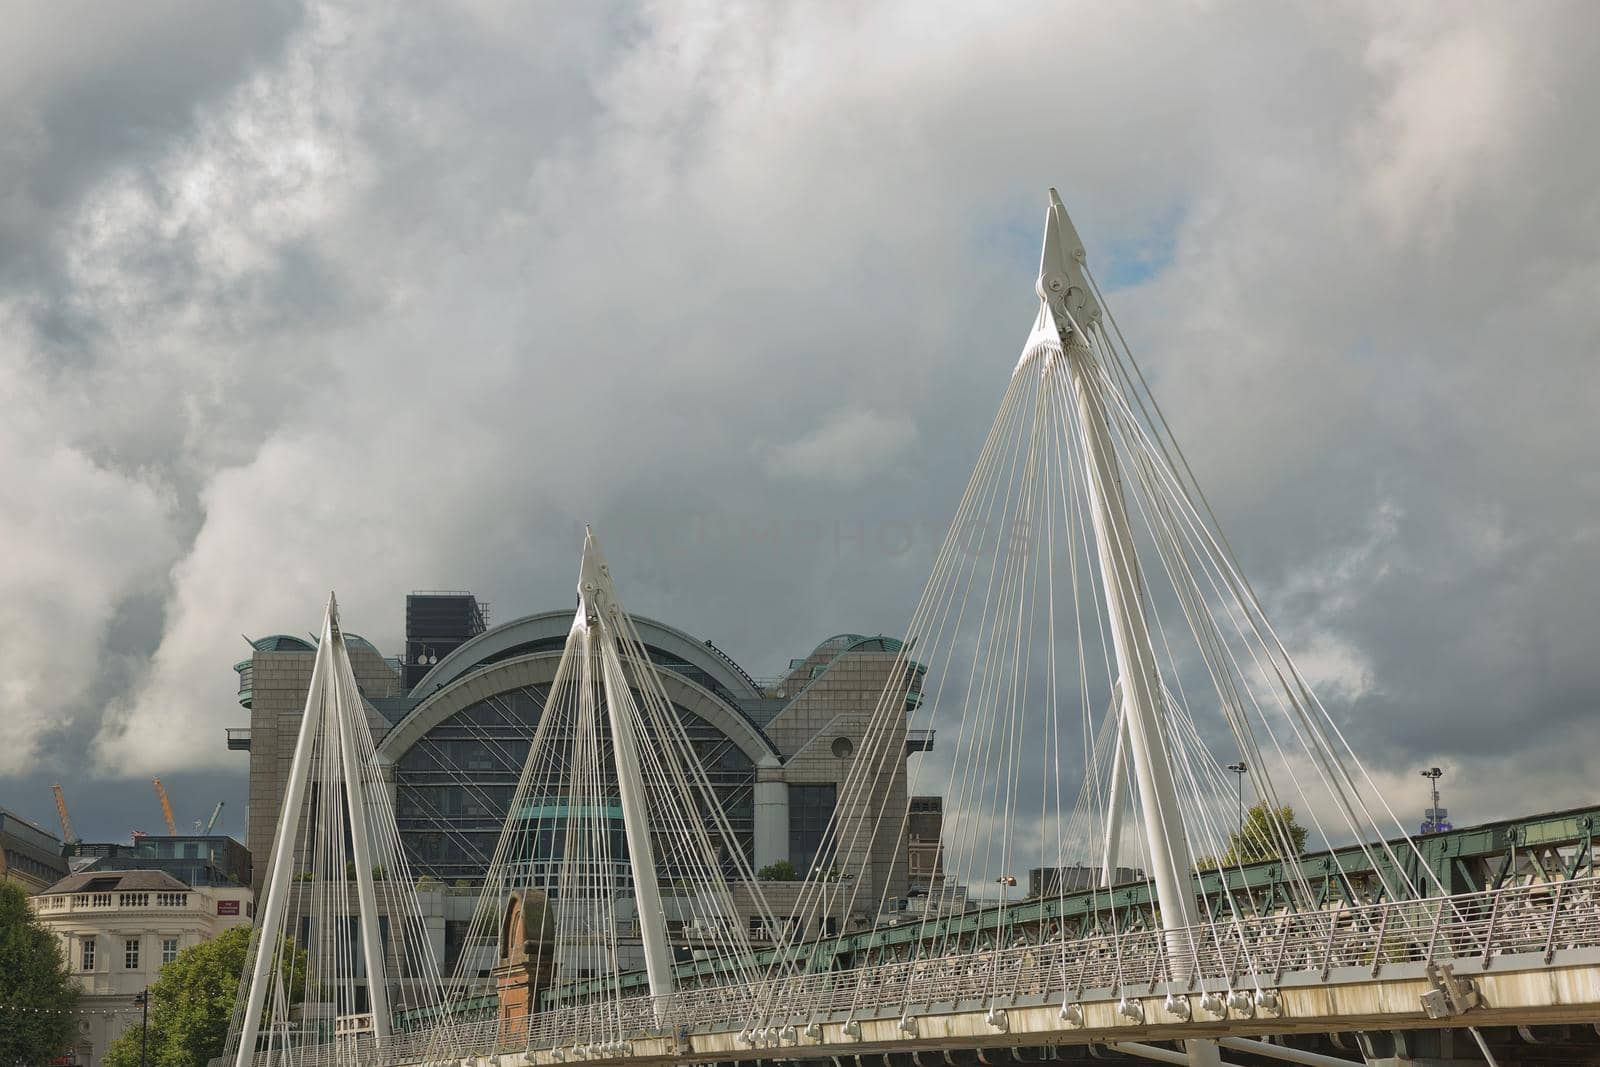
x,y
191,1004
37,994
1263,834
782,871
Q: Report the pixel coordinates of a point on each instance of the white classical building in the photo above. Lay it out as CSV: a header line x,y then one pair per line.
x,y
117,929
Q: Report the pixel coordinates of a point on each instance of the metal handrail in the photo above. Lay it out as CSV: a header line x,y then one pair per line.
x,y
1251,954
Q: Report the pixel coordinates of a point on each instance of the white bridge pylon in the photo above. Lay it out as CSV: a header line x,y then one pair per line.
x,y
1092,646
339,945
616,838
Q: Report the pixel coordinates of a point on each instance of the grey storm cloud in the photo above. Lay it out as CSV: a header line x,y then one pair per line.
x,y
338,297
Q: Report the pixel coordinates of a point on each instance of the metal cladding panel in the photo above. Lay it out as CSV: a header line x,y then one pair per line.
x,y
436,625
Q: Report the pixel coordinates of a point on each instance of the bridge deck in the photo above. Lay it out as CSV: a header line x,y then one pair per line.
x,y
1528,954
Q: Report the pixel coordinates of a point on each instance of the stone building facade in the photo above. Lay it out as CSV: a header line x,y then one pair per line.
x,y
117,929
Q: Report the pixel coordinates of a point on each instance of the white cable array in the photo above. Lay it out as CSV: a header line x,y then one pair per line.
x,y
340,958
1080,487
617,841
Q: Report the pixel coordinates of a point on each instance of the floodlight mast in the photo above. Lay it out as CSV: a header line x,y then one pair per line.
x,y
1068,312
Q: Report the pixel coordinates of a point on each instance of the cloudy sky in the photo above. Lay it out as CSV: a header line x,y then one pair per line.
x,y
306,297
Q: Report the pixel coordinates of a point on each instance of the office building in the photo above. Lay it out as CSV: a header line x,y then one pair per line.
x,y
30,856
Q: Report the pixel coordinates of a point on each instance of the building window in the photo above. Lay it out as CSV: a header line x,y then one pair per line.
x,y
130,954
810,811
86,948
169,949
842,747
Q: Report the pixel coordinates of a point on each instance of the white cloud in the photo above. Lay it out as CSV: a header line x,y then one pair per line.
x,y
402,302
77,542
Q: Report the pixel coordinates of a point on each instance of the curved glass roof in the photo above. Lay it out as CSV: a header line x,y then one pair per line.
x,y
283,643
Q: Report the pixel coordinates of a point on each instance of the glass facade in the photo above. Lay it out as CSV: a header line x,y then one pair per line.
x,y
198,860
810,810
453,790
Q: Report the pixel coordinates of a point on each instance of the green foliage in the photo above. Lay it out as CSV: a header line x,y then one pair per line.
x,y
191,1004
378,873
32,975
782,871
1262,836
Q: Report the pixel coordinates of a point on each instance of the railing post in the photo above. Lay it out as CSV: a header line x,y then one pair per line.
x,y
1555,912
1283,946
1433,935
1488,935
1377,948
1156,966
1327,947
1241,952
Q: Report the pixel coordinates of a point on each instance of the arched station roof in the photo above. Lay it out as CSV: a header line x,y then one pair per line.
x,y
283,643
468,687
539,632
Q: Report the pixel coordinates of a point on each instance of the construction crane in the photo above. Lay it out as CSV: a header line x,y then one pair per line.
x,y
61,810
166,808
212,822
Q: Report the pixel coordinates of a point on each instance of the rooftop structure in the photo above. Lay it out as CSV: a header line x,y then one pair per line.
x,y
30,856
195,859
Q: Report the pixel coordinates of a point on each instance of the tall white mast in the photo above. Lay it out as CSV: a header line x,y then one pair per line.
x,y
1068,312
269,924
347,705
597,605
332,706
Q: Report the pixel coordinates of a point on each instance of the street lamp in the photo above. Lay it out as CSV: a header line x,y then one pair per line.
x,y
1238,769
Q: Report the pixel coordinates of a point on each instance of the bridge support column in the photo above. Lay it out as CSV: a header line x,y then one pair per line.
x,y
596,599
333,707
772,814
1068,312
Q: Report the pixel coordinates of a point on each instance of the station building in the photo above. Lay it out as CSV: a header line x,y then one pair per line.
x,y
453,716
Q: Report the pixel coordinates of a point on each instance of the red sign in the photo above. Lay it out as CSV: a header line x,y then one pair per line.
x,y
227,907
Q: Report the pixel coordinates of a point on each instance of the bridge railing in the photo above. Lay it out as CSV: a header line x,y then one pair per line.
x,y
1252,953
1249,953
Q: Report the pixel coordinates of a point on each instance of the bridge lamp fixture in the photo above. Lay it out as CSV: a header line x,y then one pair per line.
x,y
1434,822
1239,769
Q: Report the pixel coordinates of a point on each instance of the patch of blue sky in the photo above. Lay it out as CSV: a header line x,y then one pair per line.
x,y
1120,262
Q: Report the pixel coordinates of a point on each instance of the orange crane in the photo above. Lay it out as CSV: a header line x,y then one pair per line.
x,y
61,809
166,808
